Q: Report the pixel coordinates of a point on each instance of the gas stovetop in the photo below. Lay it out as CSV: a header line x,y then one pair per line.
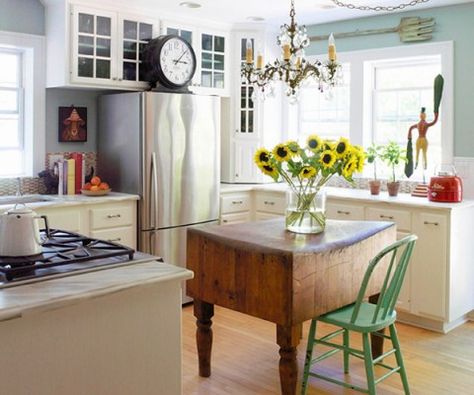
x,y
63,252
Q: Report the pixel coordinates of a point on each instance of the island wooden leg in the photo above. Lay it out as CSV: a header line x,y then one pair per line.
x,y
288,338
203,312
376,341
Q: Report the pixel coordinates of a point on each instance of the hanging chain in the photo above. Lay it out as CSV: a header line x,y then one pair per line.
x,y
379,8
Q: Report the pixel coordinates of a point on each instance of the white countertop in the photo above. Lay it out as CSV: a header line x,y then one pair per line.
x,y
72,200
353,194
53,293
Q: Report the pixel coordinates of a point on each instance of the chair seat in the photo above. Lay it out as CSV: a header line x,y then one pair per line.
x,y
363,323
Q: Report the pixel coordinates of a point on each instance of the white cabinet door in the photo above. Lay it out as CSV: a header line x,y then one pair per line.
x,y
94,46
245,168
344,211
429,268
404,299
236,218
69,219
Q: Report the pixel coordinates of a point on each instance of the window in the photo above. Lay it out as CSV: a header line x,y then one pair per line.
x,y
326,114
246,95
22,104
401,88
212,61
11,113
381,97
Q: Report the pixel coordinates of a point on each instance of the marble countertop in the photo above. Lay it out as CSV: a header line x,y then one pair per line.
x,y
69,200
54,293
362,195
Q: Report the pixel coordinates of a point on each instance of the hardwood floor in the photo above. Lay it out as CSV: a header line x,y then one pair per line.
x,y
245,360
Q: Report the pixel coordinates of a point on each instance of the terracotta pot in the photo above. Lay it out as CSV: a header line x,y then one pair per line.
x,y
374,186
393,188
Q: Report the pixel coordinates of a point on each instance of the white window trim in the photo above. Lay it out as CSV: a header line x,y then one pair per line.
x,y
361,120
33,50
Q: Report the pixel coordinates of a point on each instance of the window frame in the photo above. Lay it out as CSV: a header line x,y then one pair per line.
x,y
361,119
32,49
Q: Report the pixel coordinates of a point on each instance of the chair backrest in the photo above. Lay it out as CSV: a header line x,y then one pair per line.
x,y
393,279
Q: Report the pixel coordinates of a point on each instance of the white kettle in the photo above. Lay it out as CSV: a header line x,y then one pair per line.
x,y
19,232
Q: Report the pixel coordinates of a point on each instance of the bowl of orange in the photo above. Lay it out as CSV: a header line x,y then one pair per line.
x,y
96,187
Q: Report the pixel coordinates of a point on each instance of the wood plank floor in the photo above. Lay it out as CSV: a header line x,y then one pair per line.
x,y
245,360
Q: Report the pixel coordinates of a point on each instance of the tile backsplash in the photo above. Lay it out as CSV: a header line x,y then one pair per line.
x,y
33,185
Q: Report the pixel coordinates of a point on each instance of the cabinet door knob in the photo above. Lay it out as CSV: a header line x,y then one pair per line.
x,y
113,216
112,240
343,212
431,223
225,221
237,201
114,78
269,203
386,216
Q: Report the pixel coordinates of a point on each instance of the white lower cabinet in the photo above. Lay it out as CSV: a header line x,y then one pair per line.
x,y
437,291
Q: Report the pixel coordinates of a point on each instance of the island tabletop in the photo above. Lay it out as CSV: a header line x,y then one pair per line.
x,y
260,269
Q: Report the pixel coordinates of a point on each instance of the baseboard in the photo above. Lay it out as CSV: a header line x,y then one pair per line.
x,y
430,324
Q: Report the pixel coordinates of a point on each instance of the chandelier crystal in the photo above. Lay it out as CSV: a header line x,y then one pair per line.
x,y
292,68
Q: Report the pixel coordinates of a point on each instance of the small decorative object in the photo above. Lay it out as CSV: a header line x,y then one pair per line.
x,y
292,69
422,126
373,153
306,170
50,181
393,155
96,187
169,63
410,29
72,124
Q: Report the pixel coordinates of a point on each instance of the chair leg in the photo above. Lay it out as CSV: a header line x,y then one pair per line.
x,y
309,356
369,366
398,356
346,352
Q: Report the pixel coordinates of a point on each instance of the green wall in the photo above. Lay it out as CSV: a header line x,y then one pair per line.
x,y
22,16
453,23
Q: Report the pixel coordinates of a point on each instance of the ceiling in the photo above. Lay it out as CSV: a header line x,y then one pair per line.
x,y
276,11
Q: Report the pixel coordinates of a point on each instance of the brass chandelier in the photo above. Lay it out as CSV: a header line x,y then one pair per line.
x,y
292,69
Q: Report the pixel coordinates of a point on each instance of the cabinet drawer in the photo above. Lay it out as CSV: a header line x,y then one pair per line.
x,y
235,218
401,218
344,211
111,217
271,203
125,236
64,219
235,203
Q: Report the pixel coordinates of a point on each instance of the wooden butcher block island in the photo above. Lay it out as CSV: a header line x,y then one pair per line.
x,y
260,269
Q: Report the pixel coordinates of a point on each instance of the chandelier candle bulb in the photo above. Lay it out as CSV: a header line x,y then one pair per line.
x,y
332,48
248,52
259,60
286,52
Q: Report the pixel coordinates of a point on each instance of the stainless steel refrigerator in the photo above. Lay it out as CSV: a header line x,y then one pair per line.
x,y
164,147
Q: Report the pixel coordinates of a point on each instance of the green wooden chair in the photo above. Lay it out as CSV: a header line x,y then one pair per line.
x,y
366,318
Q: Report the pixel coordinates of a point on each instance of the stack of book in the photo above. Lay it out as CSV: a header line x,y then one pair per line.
x,y
71,174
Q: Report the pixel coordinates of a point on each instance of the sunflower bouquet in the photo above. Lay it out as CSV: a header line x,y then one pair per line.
x,y
307,169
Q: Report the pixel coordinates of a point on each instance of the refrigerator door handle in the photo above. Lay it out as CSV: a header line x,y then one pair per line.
x,y
154,192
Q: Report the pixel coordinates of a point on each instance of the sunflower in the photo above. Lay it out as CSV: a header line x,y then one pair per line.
x,y
314,143
293,147
327,159
359,157
262,156
269,170
282,153
307,172
349,168
343,147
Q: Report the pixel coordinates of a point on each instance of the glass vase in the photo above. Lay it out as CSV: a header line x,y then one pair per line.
x,y
306,210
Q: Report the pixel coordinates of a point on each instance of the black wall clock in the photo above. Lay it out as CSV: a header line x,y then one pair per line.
x,y
169,62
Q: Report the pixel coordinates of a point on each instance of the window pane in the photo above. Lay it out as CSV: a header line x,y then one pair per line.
x,y
418,74
129,50
206,62
9,133
146,32
103,47
206,42
130,30
218,62
219,44
8,100
129,71
102,68
86,45
11,162
9,69
85,67
187,35
171,30
206,79
219,80
103,26
86,23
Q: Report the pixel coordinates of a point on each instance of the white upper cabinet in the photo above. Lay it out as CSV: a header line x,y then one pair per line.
x,y
95,47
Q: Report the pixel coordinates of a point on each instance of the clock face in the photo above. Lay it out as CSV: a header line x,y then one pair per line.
x,y
177,61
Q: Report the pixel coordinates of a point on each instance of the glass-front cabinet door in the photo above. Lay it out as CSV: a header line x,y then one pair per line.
x,y
135,33
94,46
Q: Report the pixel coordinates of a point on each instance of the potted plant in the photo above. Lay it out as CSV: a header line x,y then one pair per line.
x,y
392,154
372,154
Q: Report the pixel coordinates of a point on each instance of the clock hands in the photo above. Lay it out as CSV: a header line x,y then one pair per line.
x,y
176,61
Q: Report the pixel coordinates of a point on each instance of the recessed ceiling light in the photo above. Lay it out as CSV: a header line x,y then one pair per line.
x,y
255,19
190,4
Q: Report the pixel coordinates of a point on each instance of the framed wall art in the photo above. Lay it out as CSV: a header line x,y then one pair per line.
x,y
72,124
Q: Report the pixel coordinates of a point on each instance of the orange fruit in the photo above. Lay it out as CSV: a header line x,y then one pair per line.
x,y
95,180
104,186
87,186
94,188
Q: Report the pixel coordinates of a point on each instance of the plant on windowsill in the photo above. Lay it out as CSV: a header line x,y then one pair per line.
x,y
307,169
373,154
393,155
